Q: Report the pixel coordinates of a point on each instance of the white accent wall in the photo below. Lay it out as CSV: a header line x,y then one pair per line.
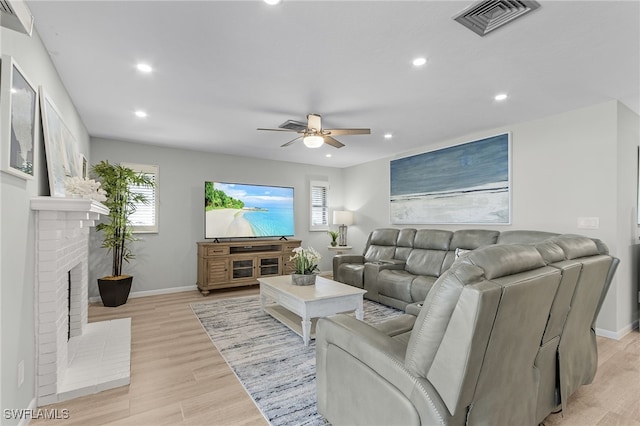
x,y
581,163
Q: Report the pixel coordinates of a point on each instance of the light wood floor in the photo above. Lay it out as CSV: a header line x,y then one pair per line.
x,y
179,378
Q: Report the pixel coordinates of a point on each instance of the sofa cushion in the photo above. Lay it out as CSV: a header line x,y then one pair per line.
x,y
420,286
434,239
395,283
381,245
404,244
471,239
425,262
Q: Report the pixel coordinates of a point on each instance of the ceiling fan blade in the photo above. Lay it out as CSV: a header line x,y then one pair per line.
x,y
348,131
314,122
279,130
331,141
298,126
290,142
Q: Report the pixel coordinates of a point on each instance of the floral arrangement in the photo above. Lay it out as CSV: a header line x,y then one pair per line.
x,y
85,188
305,261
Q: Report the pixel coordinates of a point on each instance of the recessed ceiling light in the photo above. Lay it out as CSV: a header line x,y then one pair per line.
x,y
500,97
145,68
272,2
141,114
418,62
388,135
328,155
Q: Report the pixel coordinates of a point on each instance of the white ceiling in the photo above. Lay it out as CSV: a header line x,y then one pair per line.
x,y
225,68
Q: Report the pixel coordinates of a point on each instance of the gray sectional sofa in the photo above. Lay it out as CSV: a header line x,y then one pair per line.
x,y
399,266
504,335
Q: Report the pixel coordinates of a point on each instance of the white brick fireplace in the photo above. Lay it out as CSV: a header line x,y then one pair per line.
x,y
74,357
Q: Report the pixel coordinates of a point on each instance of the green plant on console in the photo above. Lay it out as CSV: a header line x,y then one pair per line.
x,y
334,237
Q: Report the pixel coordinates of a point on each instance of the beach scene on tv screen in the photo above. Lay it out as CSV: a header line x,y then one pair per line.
x,y
241,210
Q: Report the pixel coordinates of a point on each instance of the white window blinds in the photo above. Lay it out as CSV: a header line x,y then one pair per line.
x,y
145,218
319,206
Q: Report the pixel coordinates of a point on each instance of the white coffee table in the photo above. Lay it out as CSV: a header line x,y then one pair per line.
x,y
295,306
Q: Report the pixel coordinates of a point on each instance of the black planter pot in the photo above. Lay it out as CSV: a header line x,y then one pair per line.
x,y
115,291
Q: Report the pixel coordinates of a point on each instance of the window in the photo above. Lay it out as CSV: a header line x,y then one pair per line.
x,y
145,218
319,206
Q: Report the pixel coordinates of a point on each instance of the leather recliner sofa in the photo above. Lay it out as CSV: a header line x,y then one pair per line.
x,y
505,336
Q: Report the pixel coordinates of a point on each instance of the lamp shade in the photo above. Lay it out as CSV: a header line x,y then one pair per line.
x,y
313,141
343,217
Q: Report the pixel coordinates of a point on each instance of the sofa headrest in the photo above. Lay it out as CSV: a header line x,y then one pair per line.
x,y
406,237
575,246
523,237
550,251
384,237
501,260
471,239
432,239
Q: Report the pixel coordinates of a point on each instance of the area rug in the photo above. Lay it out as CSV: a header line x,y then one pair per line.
x,y
269,359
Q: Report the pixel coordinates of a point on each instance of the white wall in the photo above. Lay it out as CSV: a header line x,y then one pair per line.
x,y
563,167
17,229
167,260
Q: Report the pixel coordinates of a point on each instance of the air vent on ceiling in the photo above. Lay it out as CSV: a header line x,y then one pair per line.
x,y
293,125
16,15
485,16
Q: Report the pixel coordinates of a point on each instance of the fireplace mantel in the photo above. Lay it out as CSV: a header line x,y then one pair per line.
x,y
68,205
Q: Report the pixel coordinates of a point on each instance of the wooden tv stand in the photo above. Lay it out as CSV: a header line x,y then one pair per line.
x,y
239,263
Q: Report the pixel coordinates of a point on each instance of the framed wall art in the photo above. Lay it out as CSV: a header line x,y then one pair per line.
x,y
63,157
468,183
19,118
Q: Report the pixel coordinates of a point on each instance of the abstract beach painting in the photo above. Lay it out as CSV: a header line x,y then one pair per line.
x,y
468,183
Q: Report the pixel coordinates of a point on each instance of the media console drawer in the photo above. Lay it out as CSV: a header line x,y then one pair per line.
x,y
241,262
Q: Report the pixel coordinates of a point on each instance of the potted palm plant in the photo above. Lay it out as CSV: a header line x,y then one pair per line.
x,y
117,181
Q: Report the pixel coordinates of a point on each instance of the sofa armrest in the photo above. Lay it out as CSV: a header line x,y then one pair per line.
x,y
339,259
382,360
369,345
371,271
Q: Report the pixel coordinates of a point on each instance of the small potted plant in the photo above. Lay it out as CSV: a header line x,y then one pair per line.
x,y
305,265
117,182
334,238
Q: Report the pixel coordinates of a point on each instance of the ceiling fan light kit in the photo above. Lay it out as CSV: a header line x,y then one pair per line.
x,y
313,141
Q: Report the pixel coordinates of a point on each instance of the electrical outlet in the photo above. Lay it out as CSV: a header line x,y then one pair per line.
x,y
588,223
20,373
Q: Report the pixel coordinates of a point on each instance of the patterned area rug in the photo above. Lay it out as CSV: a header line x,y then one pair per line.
x,y
269,359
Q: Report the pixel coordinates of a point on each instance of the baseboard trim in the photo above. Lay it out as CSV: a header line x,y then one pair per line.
x,y
144,293
617,335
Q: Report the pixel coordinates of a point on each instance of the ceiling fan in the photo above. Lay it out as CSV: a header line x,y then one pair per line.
x,y
312,133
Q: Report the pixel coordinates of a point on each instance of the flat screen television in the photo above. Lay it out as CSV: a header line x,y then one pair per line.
x,y
238,210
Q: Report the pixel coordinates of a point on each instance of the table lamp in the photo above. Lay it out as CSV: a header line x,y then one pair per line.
x,y
343,219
